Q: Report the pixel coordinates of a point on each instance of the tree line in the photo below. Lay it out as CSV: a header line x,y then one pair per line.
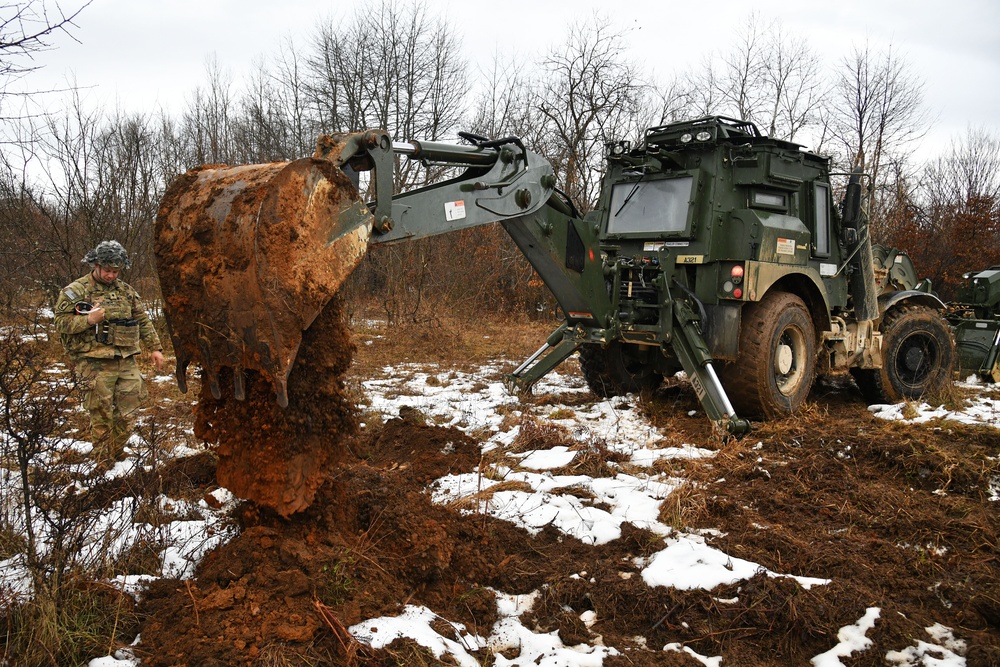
x,y
81,175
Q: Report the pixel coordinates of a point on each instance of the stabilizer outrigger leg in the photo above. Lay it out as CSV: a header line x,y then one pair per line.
x,y
691,350
557,349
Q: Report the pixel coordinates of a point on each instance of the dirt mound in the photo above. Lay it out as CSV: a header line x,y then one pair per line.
x,y
275,456
284,591
370,540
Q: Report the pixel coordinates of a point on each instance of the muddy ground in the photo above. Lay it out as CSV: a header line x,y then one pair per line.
x,y
896,515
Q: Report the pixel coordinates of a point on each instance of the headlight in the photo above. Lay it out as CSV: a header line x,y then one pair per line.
x,y
704,135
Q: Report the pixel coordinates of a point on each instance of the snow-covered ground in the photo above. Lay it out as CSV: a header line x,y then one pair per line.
x,y
466,402
477,403
982,409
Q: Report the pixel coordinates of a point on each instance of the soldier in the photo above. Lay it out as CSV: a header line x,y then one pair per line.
x,y
101,320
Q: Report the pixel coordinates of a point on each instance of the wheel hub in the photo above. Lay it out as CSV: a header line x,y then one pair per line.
x,y
914,358
783,359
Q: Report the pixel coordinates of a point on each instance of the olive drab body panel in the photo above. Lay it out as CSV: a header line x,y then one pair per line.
x,y
975,321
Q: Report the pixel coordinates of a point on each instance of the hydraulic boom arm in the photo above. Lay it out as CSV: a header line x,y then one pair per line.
x,y
264,248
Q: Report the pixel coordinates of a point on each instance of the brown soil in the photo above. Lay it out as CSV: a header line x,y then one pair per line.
x,y
895,515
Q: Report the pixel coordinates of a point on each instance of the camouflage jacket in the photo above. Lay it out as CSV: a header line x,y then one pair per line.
x,y
125,320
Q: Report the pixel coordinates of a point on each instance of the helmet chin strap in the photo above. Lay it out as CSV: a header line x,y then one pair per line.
x,y
98,273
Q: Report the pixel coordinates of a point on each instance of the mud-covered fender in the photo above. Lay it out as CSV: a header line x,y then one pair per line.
x,y
890,299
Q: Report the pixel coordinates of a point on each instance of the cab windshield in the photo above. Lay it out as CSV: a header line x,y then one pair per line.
x,y
650,206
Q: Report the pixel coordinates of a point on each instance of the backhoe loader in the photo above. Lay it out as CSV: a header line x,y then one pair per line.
x,y
714,250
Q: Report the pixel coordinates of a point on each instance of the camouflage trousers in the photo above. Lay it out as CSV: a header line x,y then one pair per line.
x,y
113,389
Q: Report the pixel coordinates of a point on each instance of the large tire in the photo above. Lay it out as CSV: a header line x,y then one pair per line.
x,y
776,364
918,356
614,371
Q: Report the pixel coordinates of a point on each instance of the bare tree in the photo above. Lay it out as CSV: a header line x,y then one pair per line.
x,y
289,83
952,223
767,76
274,120
792,82
208,121
672,101
98,177
970,170
27,28
71,525
699,89
588,97
505,105
392,67
876,117
261,128
740,86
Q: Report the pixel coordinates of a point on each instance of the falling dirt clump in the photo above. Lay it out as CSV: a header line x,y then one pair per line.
x,y
278,457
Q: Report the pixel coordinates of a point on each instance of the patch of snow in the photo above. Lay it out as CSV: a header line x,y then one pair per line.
x,y
646,457
946,652
851,639
688,563
415,623
123,657
980,410
508,632
188,542
551,502
546,459
680,648
15,580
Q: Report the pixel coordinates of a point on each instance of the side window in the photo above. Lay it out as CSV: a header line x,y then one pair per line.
x,y
821,236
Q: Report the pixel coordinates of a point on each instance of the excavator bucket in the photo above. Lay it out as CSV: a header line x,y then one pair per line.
x,y
248,256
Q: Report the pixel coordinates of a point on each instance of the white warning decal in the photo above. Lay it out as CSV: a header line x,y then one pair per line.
x,y
653,246
786,246
454,210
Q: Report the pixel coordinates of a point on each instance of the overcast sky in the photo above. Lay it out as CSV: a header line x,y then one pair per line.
x,y
145,54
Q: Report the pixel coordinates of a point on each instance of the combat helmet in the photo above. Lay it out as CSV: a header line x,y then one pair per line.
x,y
109,254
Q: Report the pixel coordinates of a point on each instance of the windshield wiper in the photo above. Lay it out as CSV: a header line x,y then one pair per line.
x,y
628,197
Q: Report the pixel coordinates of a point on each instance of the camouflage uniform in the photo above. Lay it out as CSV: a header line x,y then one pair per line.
x,y
104,357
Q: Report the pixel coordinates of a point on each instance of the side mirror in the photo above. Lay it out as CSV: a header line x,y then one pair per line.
x,y
852,199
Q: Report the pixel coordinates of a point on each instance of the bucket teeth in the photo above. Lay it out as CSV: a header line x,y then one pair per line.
x,y
209,370
281,390
181,375
213,384
239,391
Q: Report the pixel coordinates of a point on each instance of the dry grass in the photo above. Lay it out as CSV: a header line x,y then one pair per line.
x,y
90,619
831,475
595,459
537,434
479,500
685,508
448,339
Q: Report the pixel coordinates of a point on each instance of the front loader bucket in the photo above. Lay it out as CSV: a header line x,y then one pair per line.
x,y
248,256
